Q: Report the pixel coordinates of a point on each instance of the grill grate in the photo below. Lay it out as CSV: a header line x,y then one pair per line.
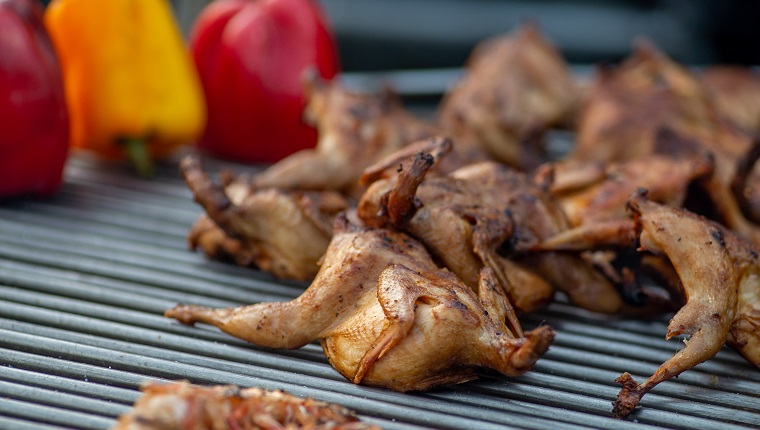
x,y
85,277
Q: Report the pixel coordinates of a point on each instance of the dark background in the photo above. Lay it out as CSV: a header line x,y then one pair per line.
x,y
403,34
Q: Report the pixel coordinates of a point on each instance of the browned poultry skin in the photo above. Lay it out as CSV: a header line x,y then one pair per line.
x,y
746,183
474,206
628,106
281,232
594,198
388,316
355,130
719,274
736,94
603,198
473,231
179,405
514,88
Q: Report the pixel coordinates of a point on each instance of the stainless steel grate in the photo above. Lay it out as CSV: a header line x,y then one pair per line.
x,y
85,277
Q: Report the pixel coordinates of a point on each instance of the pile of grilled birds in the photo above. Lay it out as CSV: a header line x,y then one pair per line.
x,y
425,240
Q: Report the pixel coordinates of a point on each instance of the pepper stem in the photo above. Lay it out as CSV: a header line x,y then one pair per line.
x,y
138,155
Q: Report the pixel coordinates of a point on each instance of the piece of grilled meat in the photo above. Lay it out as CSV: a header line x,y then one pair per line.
x,y
718,273
515,86
180,405
387,315
281,232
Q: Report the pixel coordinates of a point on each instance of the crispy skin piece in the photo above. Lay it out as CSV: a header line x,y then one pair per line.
x,y
282,232
355,130
719,273
462,218
180,405
627,108
736,94
514,88
388,316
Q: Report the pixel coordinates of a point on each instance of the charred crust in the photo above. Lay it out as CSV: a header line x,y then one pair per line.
x,y
632,204
671,144
628,398
719,237
341,223
633,293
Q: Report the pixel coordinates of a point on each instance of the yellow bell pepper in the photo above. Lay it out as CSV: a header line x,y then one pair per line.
x,y
130,83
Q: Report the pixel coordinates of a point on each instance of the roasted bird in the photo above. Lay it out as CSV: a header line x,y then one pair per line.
x,y
464,218
718,274
180,405
515,87
628,106
388,316
281,232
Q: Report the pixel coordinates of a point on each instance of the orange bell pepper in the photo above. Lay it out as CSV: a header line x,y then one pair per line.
x,y
130,83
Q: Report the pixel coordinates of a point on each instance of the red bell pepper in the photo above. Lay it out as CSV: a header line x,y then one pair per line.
x,y
34,121
251,55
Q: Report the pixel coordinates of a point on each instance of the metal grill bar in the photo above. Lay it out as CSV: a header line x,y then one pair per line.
x,y
85,277
38,413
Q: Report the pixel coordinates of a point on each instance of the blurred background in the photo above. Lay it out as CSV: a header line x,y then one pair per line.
x,y
376,35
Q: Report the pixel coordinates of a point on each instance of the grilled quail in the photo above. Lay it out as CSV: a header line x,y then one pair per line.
x,y
515,87
282,232
388,316
718,274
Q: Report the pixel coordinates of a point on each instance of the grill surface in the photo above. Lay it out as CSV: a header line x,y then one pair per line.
x,y
85,277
